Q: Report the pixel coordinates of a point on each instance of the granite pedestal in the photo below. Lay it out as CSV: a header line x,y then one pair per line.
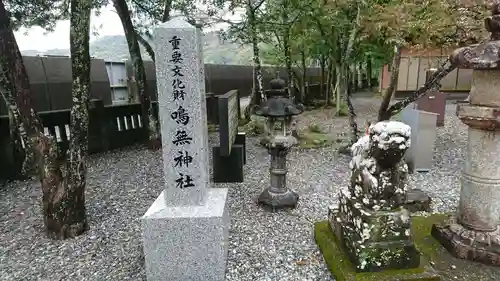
x,y
187,243
374,240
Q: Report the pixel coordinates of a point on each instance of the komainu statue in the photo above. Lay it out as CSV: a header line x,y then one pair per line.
x,y
371,222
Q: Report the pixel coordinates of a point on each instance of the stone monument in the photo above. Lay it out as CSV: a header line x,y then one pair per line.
x,y
474,231
370,222
185,231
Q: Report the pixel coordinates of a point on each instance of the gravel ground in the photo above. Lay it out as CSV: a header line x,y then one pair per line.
x,y
263,246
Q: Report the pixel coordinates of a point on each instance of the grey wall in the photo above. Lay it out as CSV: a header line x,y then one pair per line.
x,y
50,80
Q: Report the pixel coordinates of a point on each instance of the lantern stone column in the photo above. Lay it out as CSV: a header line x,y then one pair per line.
x,y
277,195
473,232
278,109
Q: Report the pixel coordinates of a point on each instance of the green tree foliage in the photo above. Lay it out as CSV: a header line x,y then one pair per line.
x,y
25,13
346,36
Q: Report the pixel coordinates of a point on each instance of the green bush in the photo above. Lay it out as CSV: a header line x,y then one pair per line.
x,y
315,128
254,128
314,140
212,128
343,110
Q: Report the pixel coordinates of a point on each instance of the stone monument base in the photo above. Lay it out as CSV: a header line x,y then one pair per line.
x,y
468,244
228,168
341,267
187,243
417,201
373,240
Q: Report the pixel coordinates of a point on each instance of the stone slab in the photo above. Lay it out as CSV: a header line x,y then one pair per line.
x,y
419,155
187,243
229,107
228,168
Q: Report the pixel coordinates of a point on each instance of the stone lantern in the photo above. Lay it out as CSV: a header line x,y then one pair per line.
x,y
278,110
473,232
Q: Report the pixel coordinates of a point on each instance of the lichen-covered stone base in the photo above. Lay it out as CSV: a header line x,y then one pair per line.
x,y
342,269
417,201
374,240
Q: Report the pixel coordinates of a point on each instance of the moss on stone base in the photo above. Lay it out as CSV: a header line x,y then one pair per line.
x,y
343,270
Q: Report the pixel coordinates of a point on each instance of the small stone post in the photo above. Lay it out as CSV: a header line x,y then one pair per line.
x,y
185,231
473,232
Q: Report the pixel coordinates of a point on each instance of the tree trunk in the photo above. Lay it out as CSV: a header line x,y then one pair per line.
x,y
64,191
369,72
289,70
341,85
333,84
288,63
352,116
257,94
63,194
359,75
165,17
304,76
323,74
149,120
287,49
166,11
146,46
345,59
14,79
18,134
383,113
329,83
353,76
441,72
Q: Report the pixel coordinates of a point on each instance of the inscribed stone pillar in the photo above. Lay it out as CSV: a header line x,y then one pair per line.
x,y
181,105
185,231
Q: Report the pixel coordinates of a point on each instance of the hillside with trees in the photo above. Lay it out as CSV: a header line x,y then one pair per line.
x,y
114,48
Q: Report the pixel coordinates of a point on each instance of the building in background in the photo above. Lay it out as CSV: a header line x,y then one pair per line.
x,y
412,72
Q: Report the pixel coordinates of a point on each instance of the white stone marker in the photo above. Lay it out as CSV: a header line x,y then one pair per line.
x,y
185,231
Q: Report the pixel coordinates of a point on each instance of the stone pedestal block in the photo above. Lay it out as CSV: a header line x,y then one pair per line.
x,y
241,139
228,168
418,201
374,240
187,243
